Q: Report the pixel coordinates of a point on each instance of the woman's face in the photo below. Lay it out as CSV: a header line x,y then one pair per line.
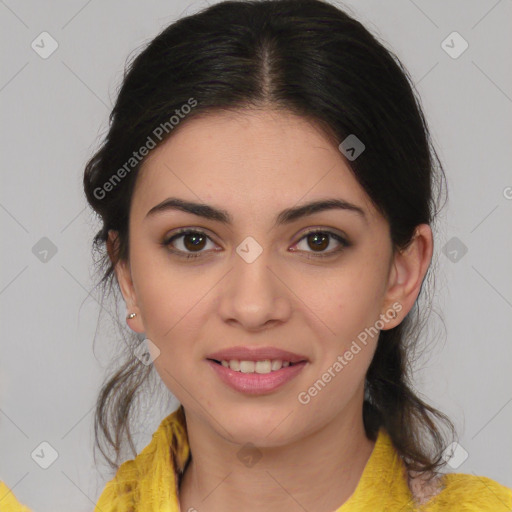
x,y
258,280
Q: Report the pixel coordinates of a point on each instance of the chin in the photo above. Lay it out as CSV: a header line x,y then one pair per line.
x,y
262,425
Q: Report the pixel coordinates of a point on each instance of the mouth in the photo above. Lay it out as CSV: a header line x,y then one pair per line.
x,y
261,366
245,356
259,377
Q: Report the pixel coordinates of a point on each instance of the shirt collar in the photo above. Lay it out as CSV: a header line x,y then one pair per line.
x,y
164,461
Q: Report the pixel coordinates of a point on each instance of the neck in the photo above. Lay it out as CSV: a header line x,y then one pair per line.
x,y
318,472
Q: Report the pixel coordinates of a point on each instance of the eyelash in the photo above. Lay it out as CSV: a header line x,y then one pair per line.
x,y
344,243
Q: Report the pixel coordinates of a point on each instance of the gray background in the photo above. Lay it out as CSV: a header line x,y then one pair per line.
x,y
54,111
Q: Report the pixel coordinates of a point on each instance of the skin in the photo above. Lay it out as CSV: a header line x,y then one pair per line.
x,y
254,164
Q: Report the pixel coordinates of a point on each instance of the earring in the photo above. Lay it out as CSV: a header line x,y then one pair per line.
x,y
394,314
131,315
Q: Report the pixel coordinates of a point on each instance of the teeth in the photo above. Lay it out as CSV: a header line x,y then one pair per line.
x,y
265,366
276,364
247,366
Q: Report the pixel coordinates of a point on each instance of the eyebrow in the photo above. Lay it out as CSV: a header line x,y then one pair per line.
x,y
284,217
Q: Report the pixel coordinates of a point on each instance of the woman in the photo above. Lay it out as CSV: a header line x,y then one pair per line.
x,y
267,190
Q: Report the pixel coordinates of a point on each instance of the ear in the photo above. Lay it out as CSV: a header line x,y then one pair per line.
x,y
124,278
408,270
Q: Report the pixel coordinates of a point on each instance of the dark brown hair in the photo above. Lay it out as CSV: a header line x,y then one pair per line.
x,y
309,58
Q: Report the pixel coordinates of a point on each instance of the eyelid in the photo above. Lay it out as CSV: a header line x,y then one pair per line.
x,y
311,229
181,232
327,230
188,230
333,233
341,238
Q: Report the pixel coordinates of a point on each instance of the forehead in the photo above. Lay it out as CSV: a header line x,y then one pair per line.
x,y
254,159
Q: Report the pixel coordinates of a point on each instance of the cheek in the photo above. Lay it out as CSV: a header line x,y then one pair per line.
x,y
349,304
169,297
352,300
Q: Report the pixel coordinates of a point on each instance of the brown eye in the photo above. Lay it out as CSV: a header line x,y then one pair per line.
x,y
188,243
316,242
193,241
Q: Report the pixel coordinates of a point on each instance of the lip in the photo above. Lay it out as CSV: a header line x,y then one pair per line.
x,y
256,383
256,354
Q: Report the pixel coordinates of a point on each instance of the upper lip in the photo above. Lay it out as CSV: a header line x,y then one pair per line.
x,y
256,354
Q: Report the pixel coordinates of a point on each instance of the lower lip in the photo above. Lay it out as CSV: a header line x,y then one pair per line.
x,y
256,383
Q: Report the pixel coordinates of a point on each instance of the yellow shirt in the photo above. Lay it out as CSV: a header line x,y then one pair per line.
x,y
149,483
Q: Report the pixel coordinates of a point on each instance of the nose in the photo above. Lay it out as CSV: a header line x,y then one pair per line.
x,y
254,294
